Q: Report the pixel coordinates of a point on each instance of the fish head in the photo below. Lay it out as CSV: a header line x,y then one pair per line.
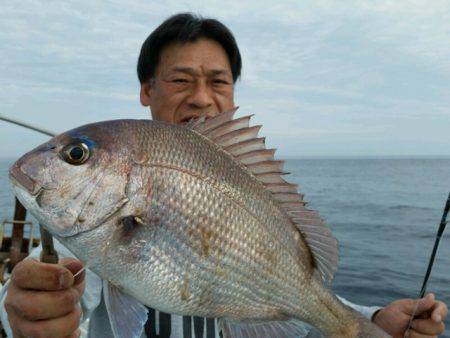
x,y
75,181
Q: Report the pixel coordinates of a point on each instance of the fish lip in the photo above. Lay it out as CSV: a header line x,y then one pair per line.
x,y
18,177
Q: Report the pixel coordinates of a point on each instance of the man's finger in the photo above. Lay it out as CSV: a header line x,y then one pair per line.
x,y
32,274
414,334
427,326
56,327
76,334
419,306
74,266
52,304
439,312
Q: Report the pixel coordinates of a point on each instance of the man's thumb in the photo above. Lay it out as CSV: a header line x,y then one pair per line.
x,y
74,266
423,304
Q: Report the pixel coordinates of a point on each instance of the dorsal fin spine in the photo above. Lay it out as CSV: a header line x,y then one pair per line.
x,y
242,142
247,146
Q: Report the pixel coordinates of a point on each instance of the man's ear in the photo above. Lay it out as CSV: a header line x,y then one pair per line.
x,y
146,94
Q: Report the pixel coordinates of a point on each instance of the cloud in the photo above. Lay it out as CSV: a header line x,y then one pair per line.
x,y
319,65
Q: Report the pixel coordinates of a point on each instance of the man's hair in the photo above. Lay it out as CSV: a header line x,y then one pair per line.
x,y
183,28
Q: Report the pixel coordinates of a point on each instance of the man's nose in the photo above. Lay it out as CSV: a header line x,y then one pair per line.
x,y
201,96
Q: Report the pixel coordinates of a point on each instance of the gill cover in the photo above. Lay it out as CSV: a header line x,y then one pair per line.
x,y
99,200
95,192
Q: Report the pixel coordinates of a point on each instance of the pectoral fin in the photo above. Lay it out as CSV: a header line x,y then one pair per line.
x,y
126,315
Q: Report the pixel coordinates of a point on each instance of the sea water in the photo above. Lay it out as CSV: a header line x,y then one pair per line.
x,y
384,213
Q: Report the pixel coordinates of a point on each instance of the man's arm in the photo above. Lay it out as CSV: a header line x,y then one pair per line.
x,y
46,297
366,311
395,317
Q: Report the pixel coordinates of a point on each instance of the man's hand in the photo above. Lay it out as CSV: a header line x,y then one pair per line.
x,y
429,322
42,299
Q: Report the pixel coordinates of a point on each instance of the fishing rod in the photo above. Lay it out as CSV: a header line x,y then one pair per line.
x,y
436,244
439,233
48,254
27,125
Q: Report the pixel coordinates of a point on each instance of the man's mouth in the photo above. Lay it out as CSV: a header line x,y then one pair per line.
x,y
186,119
20,178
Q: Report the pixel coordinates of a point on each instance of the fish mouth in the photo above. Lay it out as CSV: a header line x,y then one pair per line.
x,y
18,177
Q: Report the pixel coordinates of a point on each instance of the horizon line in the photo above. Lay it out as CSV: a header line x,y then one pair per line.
x,y
325,157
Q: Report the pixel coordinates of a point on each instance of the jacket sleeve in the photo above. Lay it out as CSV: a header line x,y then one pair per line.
x,y
366,311
89,301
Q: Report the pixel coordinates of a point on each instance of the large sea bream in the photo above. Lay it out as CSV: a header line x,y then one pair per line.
x,y
191,220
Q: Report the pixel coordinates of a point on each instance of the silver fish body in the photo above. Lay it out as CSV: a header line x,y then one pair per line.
x,y
172,219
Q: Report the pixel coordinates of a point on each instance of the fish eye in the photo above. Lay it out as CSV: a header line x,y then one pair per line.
x,y
76,153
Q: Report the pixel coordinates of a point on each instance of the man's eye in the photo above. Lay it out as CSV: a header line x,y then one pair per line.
x,y
218,81
180,81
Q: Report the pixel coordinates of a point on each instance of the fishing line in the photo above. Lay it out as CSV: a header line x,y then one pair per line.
x,y
27,125
49,254
440,231
81,270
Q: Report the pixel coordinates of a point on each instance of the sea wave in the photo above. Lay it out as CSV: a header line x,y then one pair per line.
x,y
409,207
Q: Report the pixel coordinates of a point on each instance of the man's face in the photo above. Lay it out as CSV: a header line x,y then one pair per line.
x,y
191,79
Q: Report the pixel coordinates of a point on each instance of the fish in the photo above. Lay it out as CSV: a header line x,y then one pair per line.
x,y
193,220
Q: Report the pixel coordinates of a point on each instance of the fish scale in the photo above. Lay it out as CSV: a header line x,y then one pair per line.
x,y
236,245
186,188
183,226
246,231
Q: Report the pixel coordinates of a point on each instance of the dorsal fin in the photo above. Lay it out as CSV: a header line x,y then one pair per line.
x,y
228,127
240,140
265,167
205,125
236,136
256,156
282,187
247,146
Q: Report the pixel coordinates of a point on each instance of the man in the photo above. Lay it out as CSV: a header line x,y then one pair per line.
x,y
188,66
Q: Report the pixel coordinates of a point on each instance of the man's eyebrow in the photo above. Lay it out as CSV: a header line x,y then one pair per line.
x,y
192,71
218,72
187,70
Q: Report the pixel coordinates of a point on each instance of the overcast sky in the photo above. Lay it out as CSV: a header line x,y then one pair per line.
x,y
325,78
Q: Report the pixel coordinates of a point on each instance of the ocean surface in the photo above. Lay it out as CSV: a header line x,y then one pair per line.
x,y
384,213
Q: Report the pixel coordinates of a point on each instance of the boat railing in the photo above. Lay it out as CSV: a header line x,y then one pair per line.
x,y
12,222
17,239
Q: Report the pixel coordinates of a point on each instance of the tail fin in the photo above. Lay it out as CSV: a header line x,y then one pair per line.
x,y
294,328
365,329
369,329
276,329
